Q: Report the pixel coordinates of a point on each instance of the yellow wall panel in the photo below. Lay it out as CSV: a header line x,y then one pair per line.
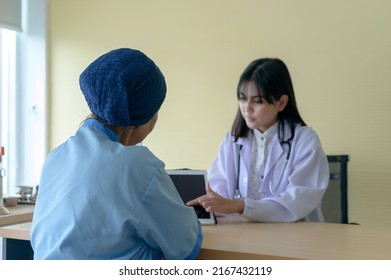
x,y
338,52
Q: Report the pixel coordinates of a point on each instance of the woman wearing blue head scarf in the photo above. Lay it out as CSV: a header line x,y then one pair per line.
x,y
101,195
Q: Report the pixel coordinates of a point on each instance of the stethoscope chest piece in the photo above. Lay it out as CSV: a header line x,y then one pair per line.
x,y
237,195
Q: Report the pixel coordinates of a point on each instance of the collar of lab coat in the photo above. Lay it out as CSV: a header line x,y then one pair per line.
x,y
244,147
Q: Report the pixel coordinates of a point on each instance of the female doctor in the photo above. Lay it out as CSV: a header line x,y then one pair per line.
x,y
271,167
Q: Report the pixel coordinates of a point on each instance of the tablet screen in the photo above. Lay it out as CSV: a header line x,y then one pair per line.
x,y
191,184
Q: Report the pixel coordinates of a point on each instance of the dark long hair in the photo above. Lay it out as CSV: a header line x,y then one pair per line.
x,y
272,79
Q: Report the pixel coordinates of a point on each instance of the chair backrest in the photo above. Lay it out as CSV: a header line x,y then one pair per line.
x,y
335,200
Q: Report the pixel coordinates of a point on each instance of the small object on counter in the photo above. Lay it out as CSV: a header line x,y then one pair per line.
x,y
1,152
3,210
26,193
10,200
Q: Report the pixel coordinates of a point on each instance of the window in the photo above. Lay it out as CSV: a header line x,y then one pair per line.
x,y
7,98
23,97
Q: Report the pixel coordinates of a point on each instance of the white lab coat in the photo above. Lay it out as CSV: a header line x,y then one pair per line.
x,y
302,184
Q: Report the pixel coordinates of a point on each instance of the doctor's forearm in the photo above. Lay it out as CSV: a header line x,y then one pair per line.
x,y
238,206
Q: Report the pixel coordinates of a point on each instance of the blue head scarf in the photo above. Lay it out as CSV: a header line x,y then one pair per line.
x,y
123,87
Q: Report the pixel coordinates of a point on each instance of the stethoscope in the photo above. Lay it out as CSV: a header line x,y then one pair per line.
x,y
237,194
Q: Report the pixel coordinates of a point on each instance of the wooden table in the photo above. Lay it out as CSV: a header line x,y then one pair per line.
x,y
237,238
18,231
10,227
18,214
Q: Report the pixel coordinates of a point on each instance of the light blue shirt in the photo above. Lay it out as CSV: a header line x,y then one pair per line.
x,y
99,199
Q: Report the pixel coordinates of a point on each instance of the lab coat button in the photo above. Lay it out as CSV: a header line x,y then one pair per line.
x,y
245,180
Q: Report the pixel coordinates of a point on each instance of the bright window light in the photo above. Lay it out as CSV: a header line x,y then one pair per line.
x,y
7,98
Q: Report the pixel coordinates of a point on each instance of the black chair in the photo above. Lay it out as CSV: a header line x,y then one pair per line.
x,y
335,200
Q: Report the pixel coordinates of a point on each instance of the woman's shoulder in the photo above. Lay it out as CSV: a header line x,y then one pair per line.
x,y
140,160
306,134
305,130
141,154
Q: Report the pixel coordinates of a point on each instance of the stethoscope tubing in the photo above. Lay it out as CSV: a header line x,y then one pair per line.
x,y
237,194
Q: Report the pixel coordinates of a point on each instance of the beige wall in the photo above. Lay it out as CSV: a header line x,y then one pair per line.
x,y
338,53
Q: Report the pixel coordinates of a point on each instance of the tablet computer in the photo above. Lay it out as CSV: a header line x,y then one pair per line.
x,y
190,184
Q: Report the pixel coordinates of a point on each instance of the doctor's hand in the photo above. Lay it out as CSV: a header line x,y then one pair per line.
x,y
213,202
